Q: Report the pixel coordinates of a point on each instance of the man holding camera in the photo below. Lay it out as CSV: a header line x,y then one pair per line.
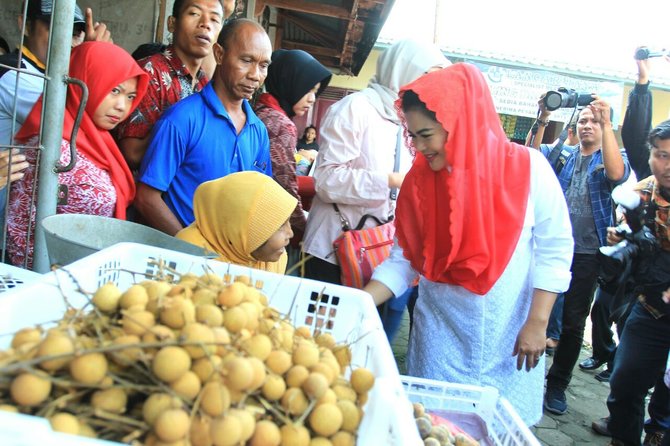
x,y
643,350
590,171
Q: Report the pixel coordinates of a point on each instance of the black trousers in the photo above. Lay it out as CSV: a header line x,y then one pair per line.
x,y
602,337
318,269
576,306
639,364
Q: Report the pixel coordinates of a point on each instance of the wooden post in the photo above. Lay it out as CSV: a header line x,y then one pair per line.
x,y
160,25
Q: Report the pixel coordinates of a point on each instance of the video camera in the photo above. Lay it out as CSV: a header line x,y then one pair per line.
x,y
564,98
616,262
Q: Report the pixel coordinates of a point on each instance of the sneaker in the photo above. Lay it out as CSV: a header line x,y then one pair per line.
x,y
604,376
554,401
653,439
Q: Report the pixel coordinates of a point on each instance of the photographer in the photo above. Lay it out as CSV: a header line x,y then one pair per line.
x,y
590,171
643,351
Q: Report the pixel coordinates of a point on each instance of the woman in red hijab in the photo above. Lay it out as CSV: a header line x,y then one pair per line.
x,y
484,224
100,182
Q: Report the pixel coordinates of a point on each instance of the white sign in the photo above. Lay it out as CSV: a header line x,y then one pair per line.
x,y
516,91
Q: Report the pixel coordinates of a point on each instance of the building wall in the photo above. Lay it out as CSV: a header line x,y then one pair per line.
x,y
661,101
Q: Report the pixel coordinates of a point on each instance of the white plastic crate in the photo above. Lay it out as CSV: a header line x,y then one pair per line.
x,y
348,314
12,277
480,411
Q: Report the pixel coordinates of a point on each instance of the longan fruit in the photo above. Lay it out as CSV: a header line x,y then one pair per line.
x,y
247,422
155,288
306,354
246,280
351,417
362,380
232,295
419,410
64,422
204,296
156,404
320,441
424,425
172,425
85,430
273,388
200,333
112,400
209,314
89,368
107,297
170,363
226,431
294,435
26,336
344,392
279,361
234,319
258,346
303,332
9,408
55,344
343,438
222,339
177,312
266,434
134,296
253,314
296,375
137,322
214,399
325,419
208,368
199,434
328,397
238,373
258,375
430,441
294,401
315,385
325,340
187,386
29,389
325,370
127,355
342,355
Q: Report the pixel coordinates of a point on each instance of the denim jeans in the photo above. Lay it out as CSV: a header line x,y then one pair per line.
x,y
554,327
639,364
392,310
576,306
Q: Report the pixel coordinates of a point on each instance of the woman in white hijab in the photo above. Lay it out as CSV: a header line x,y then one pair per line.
x,y
355,165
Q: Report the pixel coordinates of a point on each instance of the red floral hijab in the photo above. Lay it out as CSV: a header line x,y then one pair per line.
x,y
461,225
102,66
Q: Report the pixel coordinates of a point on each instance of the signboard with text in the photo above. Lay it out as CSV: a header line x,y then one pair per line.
x,y
516,91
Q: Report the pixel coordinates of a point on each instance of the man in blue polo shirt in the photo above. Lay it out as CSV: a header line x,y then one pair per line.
x,y
209,134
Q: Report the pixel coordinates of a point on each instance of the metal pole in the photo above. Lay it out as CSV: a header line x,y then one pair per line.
x,y
52,123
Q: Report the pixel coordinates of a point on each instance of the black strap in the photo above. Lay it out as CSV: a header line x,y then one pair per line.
x,y
396,164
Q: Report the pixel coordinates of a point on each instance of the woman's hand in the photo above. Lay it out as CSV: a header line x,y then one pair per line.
x,y
530,344
15,172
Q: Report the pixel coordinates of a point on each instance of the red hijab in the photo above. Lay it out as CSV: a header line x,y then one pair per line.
x,y
461,225
102,66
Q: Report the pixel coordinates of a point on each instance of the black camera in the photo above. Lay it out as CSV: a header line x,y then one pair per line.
x,y
616,262
564,98
646,53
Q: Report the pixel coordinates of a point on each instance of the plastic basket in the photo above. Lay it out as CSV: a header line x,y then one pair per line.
x,y
71,237
12,277
480,411
348,314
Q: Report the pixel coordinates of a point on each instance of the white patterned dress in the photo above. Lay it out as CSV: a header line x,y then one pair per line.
x,y
461,337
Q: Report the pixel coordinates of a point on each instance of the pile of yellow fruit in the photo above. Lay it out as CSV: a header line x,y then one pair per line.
x,y
201,361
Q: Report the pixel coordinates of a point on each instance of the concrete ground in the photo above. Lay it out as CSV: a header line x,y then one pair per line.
x,y
586,401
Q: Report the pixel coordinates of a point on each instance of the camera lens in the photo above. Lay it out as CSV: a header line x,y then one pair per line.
x,y
553,100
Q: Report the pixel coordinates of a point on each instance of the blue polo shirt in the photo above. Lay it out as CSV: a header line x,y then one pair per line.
x,y
195,141
600,187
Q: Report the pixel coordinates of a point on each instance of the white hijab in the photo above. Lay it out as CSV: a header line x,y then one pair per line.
x,y
401,63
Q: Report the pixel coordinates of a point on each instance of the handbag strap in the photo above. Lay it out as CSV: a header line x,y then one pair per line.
x,y
346,226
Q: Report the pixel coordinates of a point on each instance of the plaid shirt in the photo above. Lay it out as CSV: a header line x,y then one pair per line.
x,y
600,187
169,82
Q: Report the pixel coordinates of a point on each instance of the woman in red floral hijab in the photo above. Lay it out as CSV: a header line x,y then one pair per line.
x,y
484,224
100,182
